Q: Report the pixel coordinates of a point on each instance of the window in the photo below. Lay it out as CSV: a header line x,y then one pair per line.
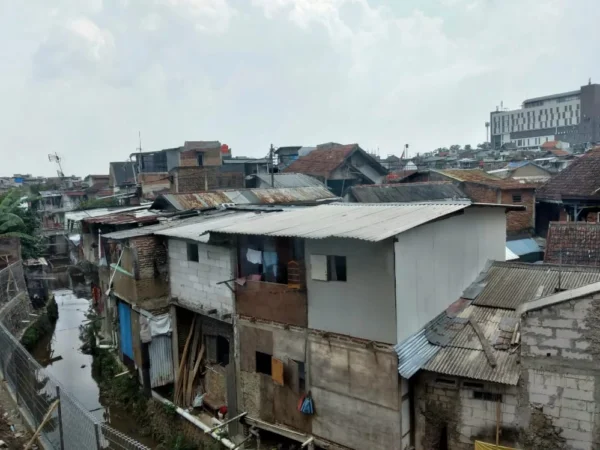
x,y
517,198
217,349
200,158
472,385
487,396
263,363
192,252
336,268
445,382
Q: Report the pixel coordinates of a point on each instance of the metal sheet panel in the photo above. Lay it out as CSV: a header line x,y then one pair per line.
x,y
508,285
161,361
523,246
125,330
360,221
196,230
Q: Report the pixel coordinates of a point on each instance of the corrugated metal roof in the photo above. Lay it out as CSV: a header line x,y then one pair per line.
x,y
474,364
267,196
464,356
414,353
507,285
140,216
523,246
151,229
290,180
197,230
96,212
407,192
359,221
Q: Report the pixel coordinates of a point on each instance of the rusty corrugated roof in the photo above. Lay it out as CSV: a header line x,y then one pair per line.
x,y
322,161
268,196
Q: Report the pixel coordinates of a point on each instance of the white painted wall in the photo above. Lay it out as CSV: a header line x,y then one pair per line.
x,y
194,284
437,261
364,305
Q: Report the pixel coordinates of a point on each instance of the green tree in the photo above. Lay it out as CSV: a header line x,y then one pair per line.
x,y
20,221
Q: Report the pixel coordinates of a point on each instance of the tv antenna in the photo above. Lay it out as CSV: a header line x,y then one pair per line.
x,y
57,159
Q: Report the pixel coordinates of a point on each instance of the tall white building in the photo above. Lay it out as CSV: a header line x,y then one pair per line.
x,y
572,117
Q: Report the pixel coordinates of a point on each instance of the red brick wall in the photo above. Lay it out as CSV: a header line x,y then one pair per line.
x,y
198,179
211,157
519,221
481,193
154,181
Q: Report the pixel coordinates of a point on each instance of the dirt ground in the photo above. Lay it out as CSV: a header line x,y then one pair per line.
x,y
17,436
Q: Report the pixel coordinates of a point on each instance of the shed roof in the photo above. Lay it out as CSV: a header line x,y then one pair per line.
x,y
576,243
128,217
289,180
206,223
407,192
267,196
474,175
365,221
523,246
76,216
579,179
509,284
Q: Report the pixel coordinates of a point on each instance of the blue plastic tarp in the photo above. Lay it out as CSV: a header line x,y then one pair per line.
x,y
523,246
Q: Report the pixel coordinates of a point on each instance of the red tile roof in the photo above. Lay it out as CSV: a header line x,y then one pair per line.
x,y
321,162
580,179
559,152
573,243
549,144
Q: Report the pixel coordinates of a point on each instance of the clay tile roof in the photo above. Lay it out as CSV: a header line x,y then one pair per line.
x,y
549,144
321,162
573,243
580,179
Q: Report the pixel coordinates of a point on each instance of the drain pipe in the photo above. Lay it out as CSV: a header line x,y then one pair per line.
x,y
183,413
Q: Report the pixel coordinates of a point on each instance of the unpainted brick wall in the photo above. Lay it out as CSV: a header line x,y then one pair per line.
x,y
467,419
517,221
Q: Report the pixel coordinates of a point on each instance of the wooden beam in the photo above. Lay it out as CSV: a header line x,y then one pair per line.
x,y
44,421
487,348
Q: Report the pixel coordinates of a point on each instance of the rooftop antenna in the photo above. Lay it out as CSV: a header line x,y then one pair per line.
x,y
139,149
57,159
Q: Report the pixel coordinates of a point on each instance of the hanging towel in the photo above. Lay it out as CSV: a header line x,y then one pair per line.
x,y
254,256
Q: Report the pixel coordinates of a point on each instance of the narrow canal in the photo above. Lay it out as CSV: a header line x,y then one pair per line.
x,y
61,355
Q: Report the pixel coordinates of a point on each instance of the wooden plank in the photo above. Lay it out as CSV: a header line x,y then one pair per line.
x,y
180,371
194,373
487,348
190,367
277,371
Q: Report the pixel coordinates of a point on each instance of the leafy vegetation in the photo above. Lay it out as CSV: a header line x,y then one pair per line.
x,y
21,222
98,203
42,326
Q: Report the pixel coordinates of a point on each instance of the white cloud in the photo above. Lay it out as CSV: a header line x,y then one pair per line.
x,y
99,42
210,16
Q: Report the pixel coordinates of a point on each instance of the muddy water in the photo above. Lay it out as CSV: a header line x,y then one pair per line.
x,y
61,355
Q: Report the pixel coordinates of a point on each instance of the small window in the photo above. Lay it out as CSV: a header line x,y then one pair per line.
x,y
192,252
487,396
200,158
517,198
445,382
336,268
471,385
217,349
263,363
301,376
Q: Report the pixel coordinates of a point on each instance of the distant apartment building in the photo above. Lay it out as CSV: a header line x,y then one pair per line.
x,y
572,117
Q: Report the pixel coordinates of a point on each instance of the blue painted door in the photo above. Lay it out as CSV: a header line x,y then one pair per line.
x,y
125,328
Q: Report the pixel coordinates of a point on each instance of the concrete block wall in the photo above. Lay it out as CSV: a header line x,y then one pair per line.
x,y
465,417
560,348
194,284
569,399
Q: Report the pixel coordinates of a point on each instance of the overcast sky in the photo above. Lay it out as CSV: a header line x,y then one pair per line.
x,y
82,77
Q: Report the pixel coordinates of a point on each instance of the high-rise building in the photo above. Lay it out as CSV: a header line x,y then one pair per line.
x,y
572,117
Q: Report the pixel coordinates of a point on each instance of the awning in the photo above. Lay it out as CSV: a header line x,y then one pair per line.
x,y
522,247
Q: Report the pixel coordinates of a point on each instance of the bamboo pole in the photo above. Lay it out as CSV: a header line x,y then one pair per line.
x,y
183,361
44,421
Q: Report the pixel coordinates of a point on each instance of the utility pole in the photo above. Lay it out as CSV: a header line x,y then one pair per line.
x,y
271,153
487,132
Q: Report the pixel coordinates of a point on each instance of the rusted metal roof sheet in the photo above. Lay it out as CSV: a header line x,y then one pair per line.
x,y
509,284
475,175
359,221
161,361
268,196
289,180
141,216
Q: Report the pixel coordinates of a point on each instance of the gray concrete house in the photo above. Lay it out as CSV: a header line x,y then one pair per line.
x,y
322,294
